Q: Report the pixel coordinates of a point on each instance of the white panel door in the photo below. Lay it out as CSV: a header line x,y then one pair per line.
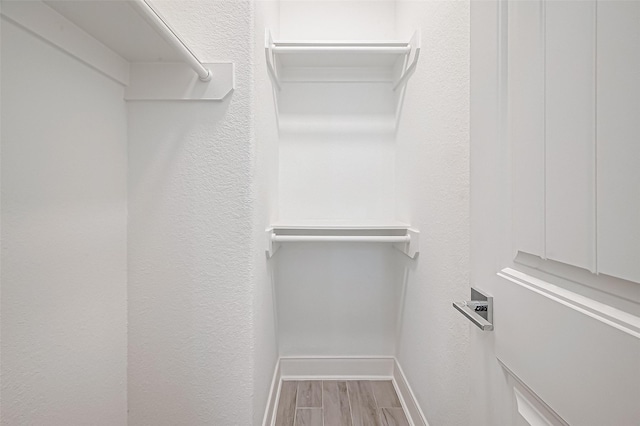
x,y
560,352
526,122
618,131
570,131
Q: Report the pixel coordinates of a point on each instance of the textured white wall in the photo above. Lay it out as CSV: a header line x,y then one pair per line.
x,y
201,336
433,194
64,168
264,188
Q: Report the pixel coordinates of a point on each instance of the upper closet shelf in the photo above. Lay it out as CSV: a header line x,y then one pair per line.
x,y
401,235
390,62
127,41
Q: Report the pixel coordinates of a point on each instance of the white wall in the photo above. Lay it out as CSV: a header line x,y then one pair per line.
x,y
433,195
201,324
337,20
64,168
337,299
336,150
265,167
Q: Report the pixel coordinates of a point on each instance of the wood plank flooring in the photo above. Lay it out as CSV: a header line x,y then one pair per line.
x,y
339,403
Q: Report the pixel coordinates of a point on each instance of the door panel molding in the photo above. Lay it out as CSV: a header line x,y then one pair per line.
x,y
618,131
602,312
570,137
528,405
526,123
573,103
578,355
616,292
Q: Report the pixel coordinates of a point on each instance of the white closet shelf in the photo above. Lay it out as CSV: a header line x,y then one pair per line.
x,y
401,235
127,41
390,62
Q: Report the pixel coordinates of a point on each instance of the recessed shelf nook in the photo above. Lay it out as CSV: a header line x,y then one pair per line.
x,y
401,235
391,62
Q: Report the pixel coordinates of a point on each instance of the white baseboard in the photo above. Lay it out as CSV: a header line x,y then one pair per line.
x,y
331,368
407,397
274,395
343,368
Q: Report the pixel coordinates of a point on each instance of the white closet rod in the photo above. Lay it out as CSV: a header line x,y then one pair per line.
x,y
341,238
164,30
334,48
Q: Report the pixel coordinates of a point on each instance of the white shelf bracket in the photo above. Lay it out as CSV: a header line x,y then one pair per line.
x,y
271,246
268,45
412,248
414,43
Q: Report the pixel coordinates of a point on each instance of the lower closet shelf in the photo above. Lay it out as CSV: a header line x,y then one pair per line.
x,y
402,236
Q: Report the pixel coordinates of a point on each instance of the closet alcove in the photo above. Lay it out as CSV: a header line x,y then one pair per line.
x,y
339,250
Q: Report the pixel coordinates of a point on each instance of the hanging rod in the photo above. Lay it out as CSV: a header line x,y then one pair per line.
x,y
338,48
341,238
408,242
163,29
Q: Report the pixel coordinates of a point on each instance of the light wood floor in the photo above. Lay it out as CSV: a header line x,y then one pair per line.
x,y
339,403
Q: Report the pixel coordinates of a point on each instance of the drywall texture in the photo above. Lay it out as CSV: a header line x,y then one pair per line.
x,y
201,324
63,239
433,194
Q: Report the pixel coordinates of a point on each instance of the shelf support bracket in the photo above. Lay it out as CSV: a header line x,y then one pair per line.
x,y
408,72
268,44
271,246
412,248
